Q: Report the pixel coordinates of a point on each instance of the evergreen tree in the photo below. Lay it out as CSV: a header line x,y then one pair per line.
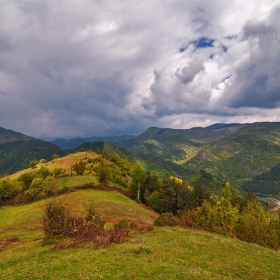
x,y
169,194
201,193
150,185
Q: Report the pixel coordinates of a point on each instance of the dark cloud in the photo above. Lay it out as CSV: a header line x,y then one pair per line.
x,y
179,92
93,67
255,80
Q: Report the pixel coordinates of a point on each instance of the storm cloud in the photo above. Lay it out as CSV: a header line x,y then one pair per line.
x,y
94,67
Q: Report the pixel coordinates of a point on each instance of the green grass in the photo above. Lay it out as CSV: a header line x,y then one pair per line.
x,y
70,181
165,253
25,221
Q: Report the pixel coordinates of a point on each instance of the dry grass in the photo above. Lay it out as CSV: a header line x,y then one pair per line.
x,y
65,163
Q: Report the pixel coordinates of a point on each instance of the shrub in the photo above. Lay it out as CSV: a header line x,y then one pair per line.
x,y
57,172
55,156
43,172
50,186
55,219
185,218
36,189
58,223
9,189
166,219
80,167
32,163
91,215
122,224
26,179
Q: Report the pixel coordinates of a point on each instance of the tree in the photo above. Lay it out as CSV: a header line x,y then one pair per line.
x,y
201,193
26,179
9,189
169,194
103,171
150,185
50,186
43,172
36,189
186,199
155,202
79,167
257,226
32,163
138,175
55,156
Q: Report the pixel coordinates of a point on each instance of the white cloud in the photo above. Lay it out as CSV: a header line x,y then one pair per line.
x,y
92,67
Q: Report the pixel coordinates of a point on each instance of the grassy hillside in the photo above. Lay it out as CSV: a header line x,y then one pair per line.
x,y
164,253
64,163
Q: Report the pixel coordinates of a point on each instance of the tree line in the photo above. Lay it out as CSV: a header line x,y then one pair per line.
x,y
231,214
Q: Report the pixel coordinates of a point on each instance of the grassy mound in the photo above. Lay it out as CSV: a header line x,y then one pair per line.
x,y
25,221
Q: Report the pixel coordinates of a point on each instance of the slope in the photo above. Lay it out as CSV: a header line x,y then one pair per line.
x,y
239,157
164,253
148,162
7,135
266,183
231,152
16,155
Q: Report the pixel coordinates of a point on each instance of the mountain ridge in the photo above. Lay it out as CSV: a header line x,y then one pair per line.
x,y
237,153
7,135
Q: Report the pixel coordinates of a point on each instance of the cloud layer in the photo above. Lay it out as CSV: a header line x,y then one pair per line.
x,y
96,67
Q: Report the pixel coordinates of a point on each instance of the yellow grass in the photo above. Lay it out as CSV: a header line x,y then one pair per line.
x,y
65,163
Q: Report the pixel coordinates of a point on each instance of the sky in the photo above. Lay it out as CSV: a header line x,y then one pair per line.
x,y
112,67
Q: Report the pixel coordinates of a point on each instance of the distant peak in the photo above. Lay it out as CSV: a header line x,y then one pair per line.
x,y
153,129
221,125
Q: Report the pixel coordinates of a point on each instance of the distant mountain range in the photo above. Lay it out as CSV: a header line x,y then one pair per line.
x,y
77,141
246,155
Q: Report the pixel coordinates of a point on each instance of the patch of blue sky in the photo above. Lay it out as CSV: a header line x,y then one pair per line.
x,y
203,43
224,48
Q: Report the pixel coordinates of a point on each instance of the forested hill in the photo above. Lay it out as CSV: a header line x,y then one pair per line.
x,y
16,155
7,135
233,152
148,162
